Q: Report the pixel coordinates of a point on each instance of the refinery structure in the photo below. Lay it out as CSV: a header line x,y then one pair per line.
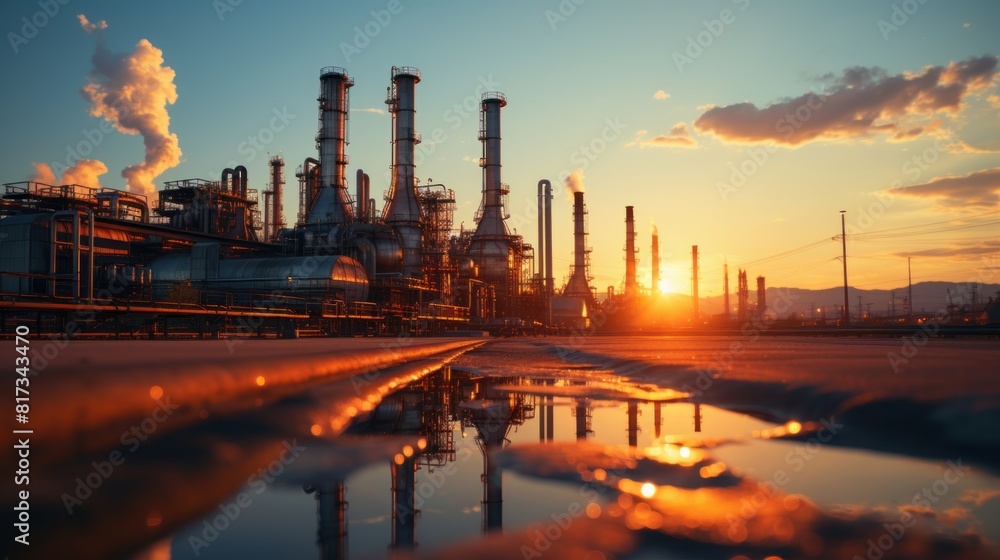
x,y
213,258
218,257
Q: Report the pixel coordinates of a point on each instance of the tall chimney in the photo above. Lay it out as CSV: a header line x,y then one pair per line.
x,y
725,292
277,180
402,211
656,261
490,246
579,282
761,297
333,203
631,285
540,253
694,292
549,278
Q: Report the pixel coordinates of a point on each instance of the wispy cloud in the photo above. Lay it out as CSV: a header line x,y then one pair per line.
x,y
678,137
860,103
959,251
979,189
372,110
660,94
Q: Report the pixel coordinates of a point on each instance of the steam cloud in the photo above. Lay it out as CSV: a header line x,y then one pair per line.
x,y
84,172
574,182
132,91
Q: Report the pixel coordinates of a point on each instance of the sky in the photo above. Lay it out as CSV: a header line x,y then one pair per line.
x,y
740,126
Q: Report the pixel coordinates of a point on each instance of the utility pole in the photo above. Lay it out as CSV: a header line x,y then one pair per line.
x,y
843,238
909,295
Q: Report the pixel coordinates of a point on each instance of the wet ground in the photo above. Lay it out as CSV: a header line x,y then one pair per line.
x,y
549,448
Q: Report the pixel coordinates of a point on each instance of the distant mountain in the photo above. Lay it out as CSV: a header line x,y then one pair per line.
x,y
927,296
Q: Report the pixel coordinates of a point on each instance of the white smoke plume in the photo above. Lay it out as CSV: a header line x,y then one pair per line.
x,y
574,182
131,91
84,172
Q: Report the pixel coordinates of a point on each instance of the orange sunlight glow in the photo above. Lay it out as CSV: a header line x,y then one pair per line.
x,y
260,381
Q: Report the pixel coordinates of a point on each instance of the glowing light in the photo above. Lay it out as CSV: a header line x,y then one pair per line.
x,y
665,286
600,475
316,429
261,381
593,510
421,443
685,452
794,427
156,392
648,490
399,458
408,451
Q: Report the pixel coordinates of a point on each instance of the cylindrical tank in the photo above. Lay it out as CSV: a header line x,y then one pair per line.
x,y
291,276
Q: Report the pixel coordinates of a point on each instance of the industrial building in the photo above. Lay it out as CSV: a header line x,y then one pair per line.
x,y
213,258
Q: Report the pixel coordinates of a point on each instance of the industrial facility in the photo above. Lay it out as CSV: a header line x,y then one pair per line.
x,y
215,258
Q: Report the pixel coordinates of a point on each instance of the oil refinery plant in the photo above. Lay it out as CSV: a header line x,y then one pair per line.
x,y
214,258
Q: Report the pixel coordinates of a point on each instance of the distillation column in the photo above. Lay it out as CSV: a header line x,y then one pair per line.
x,y
333,203
402,211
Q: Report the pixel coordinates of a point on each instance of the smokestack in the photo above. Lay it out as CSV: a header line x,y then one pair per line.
x,y
333,203
631,285
490,247
579,233
540,254
579,282
761,297
743,296
549,278
402,211
725,291
277,180
656,260
694,292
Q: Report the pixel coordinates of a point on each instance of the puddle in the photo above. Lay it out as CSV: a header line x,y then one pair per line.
x,y
430,484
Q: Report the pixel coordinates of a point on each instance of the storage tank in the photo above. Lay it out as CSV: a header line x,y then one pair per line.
x,y
291,276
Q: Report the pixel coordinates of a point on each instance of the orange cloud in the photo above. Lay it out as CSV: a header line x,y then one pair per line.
x,y
860,103
977,189
678,137
85,172
132,91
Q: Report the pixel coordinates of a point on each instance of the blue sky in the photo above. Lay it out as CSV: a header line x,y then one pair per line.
x,y
568,70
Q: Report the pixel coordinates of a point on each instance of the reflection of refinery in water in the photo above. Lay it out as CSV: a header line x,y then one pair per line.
x,y
483,408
